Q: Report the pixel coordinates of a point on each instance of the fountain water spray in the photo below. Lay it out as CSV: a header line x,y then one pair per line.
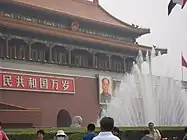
x,y
142,98
139,60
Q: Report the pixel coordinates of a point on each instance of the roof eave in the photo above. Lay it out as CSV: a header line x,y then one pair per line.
x,y
162,51
135,29
141,31
124,26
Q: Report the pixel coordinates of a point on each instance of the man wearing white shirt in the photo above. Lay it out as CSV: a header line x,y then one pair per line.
x,y
106,126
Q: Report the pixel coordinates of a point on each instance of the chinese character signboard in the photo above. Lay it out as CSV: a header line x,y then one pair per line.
x,y
34,82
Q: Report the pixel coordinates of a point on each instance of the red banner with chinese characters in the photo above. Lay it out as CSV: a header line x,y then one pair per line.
x,y
35,82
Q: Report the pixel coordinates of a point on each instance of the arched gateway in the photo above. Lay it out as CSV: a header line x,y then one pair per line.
x,y
63,118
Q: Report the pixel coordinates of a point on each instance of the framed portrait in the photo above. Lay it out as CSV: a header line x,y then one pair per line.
x,y
105,89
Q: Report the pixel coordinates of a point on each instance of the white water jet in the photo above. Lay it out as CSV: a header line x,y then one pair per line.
x,y
147,56
142,98
153,52
159,53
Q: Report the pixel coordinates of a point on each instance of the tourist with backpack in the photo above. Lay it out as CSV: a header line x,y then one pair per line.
x,y
154,133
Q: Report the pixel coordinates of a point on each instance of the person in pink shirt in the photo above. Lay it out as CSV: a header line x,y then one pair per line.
x,y
3,135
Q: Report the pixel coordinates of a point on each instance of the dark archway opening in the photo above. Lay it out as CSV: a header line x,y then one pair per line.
x,y
63,118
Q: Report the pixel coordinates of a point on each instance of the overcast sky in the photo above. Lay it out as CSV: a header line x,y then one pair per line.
x,y
166,31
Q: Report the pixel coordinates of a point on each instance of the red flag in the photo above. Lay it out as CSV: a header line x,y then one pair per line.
x,y
173,3
184,2
184,63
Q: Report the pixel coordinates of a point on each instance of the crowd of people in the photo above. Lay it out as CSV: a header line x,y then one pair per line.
x,y
108,132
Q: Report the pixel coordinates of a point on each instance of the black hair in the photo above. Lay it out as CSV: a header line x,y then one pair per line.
x,y
150,123
185,129
91,127
107,124
116,129
105,79
146,132
1,123
61,136
40,132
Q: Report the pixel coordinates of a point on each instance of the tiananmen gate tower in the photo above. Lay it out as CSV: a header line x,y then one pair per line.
x,y
54,55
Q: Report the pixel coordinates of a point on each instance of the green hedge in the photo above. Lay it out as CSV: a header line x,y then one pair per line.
x,y
48,136
77,133
73,130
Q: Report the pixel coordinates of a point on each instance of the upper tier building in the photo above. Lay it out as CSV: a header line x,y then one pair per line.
x,y
77,39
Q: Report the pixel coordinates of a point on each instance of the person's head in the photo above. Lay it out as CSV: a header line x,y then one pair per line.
x,y
185,130
151,126
40,134
105,85
60,135
146,132
107,124
91,127
115,131
1,125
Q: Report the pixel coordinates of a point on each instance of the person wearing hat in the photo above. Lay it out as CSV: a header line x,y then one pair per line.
x,y
60,135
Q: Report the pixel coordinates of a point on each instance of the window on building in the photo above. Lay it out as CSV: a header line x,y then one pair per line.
x,y
85,61
62,58
77,60
101,62
55,57
117,65
34,55
46,57
22,52
129,62
42,55
81,60
12,52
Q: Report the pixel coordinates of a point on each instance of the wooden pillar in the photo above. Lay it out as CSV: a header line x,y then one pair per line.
x,y
30,42
96,61
50,52
124,64
93,59
109,61
7,46
69,54
15,49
